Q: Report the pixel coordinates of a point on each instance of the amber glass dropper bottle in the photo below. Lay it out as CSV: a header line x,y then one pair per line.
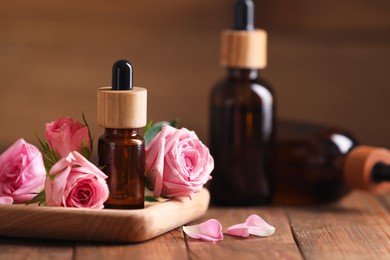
x,y
319,164
242,115
122,112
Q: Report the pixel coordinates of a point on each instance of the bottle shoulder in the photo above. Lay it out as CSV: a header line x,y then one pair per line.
x,y
242,90
226,84
120,140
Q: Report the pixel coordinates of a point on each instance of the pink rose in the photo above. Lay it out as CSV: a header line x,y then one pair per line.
x,y
22,172
178,163
76,182
66,135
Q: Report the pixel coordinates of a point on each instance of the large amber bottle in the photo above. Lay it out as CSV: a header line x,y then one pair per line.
x,y
242,117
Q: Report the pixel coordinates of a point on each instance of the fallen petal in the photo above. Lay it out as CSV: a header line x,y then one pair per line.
x,y
254,225
258,226
210,230
6,200
240,230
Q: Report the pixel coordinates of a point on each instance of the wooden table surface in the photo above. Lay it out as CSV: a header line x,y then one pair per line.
x,y
356,227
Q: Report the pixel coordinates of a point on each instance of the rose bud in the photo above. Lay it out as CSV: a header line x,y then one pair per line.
x,y
66,135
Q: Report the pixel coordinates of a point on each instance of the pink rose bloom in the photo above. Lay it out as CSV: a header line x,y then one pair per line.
x,y
22,172
178,163
76,182
66,135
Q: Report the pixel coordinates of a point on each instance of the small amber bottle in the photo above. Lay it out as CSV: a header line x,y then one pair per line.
x,y
122,112
242,115
319,164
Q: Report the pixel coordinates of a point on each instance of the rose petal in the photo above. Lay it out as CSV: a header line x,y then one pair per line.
x,y
6,200
254,225
84,163
154,159
240,230
210,230
258,226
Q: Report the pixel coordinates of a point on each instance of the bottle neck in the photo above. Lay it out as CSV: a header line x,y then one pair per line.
x,y
381,172
122,132
241,73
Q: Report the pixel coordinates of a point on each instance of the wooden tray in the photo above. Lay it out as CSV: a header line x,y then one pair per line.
x,y
106,225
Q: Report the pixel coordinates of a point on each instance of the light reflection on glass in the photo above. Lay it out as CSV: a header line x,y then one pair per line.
x,y
343,143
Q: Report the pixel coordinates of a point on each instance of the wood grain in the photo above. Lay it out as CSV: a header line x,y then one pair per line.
x,y
168,246
121,109
385,200
101,225
15,249
357,227
281,245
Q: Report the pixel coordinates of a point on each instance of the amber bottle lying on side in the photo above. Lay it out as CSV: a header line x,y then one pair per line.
x,y
317,164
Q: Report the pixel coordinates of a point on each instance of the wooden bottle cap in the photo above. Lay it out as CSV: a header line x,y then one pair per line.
x,y
121,109
359,165
244,49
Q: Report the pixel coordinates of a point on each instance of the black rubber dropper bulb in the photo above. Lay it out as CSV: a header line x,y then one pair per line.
x,y
122,75
244,15
381,172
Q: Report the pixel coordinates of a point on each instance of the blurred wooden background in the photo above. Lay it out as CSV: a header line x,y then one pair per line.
x,y
329,61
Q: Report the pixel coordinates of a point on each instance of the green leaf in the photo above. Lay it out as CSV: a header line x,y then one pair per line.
x,y
85,151
40,199
89,134
148,182
154,130
151,130
147,127
42,143
49,156
151,199
175,122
